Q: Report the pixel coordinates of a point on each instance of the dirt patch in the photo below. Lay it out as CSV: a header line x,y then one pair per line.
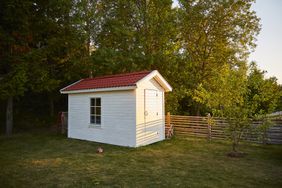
x,y
236,154
47,162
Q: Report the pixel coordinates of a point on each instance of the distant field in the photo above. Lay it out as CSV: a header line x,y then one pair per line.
x,y
46,160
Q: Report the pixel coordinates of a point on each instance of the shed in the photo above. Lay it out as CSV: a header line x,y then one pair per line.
x,y
125,109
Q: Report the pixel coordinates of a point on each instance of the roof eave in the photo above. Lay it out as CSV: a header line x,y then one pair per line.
x,y
62,90
99,90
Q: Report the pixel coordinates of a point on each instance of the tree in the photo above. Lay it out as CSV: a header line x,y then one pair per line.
x,y
199,47
135,35
263,93
279,104
138,35
15,38
240,98
42,49
228,100
59,48
87,17
214,36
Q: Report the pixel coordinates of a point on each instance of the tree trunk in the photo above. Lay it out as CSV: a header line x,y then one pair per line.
x,y
234,147
235,142
88,32
9,117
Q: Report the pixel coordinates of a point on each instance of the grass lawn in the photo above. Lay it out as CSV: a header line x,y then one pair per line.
x,y
47,160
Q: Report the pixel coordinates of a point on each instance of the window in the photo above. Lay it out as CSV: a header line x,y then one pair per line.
x,y
95,111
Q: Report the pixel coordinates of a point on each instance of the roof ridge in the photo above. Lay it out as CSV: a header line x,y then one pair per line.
x,y
117,80
118,75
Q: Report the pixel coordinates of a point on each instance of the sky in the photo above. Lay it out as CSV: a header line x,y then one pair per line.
x,y
268,53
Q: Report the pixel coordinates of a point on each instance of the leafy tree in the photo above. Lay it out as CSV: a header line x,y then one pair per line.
x,y
87,18
115,41
135,35
240,98
229,101
58,48
263,93
42,48
15,38
262,129
279,104
200,47
138,35
263,98
214,36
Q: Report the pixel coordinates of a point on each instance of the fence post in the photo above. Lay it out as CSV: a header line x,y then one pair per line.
x,y
209,126
168,118
209,132
168,128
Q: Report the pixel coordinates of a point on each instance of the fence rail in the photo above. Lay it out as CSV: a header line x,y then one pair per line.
x,y
198,126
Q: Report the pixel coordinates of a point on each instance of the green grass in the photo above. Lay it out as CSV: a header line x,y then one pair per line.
x,y
46,160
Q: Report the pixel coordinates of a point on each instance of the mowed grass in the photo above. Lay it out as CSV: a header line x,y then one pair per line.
x,y
47,160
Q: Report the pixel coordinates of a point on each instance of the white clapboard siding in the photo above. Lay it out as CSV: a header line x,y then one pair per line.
x,y
118,118
132,116
149,129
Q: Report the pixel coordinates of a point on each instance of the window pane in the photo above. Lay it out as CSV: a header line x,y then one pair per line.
x,y
92,119
98,119
98,110
92,110
92,102
98,101
95,111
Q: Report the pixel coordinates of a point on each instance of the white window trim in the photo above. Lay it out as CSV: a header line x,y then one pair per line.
x,y
94,125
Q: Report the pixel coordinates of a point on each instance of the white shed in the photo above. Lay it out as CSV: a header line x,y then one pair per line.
x,y
124,109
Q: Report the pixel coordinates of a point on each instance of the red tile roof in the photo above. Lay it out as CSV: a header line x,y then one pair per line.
x,y
119,80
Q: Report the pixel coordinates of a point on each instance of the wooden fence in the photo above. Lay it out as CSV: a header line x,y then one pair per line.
x,y
198,126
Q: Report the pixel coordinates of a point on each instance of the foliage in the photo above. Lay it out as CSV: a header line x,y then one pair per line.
x,y
216,37
200,47
14,45
135,35
263,93
279,105
15,38
57,46
210,120
239,124
239,98
263,128
40,48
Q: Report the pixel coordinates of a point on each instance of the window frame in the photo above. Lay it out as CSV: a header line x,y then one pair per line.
x,y
93,111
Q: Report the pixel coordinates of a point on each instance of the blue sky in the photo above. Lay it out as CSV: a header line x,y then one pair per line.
x,y
268,53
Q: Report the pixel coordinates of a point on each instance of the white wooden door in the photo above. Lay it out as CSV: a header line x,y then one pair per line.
x,y
151,105
153,114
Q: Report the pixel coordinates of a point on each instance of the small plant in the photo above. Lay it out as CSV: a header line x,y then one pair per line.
x,y
239,125
263,128
237,129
